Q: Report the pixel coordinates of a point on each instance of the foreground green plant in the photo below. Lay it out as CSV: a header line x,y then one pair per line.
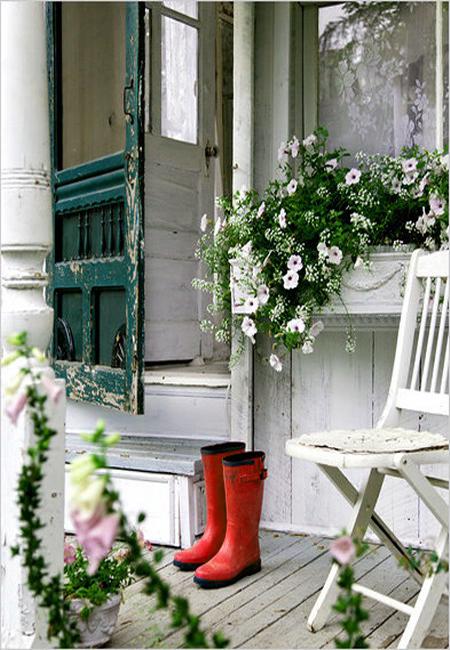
x,y
349,604
96,535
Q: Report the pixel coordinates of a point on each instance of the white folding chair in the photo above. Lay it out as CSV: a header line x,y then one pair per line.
x,y
419,383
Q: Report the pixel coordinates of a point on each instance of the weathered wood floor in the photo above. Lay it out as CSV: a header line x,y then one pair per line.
x,y
269,610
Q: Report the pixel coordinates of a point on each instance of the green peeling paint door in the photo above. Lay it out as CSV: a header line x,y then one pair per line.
x,y
96,60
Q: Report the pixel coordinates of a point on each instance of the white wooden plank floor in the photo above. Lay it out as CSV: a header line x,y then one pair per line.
x,y
269,609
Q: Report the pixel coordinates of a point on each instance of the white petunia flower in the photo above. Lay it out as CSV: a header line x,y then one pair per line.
x,y
322,248
352,177
290,280
217,226
275,363
251,304
409,165
261,209
316,328
295,146
335,255
282,218
296,325
307,347
396,186
249,328
263,294
204,222
331,164
295,263
292,186
310,140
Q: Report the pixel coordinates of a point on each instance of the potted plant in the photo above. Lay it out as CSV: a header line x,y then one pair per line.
x,y
95,598
305,245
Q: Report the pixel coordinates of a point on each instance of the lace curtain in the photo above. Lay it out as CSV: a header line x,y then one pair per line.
x,y
377,71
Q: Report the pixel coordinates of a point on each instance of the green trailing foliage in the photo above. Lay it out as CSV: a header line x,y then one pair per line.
x,y
55,593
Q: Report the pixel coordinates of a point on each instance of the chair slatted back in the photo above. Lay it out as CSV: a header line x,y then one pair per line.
x,y
420,375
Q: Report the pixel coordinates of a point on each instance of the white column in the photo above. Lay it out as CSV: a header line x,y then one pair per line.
x,y
243,121
26,232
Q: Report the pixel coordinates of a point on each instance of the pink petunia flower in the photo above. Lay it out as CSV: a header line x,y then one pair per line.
x,y
263,294
352,177
343,550
290,280
295,146
437,205
335,255
409,165
15,408
296,325
275,363
292,186
295,263
330,165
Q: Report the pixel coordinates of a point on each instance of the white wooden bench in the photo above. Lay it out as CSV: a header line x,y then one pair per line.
x,y
160,476
419,383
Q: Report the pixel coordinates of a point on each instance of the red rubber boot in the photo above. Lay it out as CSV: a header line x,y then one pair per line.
x,y
216,519
239,554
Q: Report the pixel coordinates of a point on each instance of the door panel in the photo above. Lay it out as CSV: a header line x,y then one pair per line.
x,y
179,183
96,101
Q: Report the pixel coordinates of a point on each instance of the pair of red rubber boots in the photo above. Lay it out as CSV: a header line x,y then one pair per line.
x,y
229,548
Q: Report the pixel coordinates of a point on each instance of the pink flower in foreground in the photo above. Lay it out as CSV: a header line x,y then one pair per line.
x,y
96,535
15,408
70,553
343,550
53,390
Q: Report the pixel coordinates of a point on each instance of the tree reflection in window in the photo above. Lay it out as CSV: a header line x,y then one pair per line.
x,y
377,66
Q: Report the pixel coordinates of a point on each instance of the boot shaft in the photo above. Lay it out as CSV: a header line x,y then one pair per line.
x,y
212,457
244,476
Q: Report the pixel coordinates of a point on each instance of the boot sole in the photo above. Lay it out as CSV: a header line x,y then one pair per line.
x,y
187,566
216,584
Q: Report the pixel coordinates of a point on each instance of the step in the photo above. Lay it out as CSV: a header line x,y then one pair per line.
x,y
178,456
158,476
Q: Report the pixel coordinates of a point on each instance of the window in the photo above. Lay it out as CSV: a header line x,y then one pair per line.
x,y
383,77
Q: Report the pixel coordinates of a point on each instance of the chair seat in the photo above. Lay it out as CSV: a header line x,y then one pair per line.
x,y
368,447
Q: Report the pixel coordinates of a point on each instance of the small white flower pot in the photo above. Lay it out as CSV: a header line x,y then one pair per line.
x,y
98,628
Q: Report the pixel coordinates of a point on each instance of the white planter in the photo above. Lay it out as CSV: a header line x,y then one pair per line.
x,y
368,295
98,628
372,296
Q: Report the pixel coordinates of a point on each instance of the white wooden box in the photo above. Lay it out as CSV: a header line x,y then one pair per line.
x,y
174,505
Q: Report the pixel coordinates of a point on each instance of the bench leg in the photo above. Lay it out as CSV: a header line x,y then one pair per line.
x,y
361,516
187,513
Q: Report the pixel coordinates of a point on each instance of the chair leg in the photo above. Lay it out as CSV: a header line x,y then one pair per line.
x,y
379,527
361,516
427,601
